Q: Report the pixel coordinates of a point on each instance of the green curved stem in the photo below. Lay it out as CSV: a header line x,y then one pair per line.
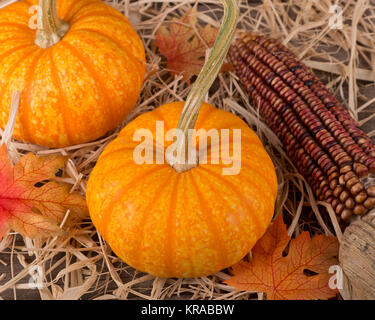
x,y
209,72
50,28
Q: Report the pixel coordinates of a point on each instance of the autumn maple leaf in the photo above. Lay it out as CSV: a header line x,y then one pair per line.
x,y
285,277
30,203
184,44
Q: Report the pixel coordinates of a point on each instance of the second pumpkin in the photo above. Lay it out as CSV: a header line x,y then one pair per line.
x,y
79,77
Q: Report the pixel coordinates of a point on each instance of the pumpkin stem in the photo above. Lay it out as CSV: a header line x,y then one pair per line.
x,y
50,28
178,159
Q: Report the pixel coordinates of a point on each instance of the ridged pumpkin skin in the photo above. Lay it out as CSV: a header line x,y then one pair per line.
x,y
186,224
78,89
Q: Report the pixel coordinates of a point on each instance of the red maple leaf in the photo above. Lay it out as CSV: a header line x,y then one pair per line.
x,y
285,277
31,209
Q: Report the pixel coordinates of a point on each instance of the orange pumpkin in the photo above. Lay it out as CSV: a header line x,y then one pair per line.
x,y
188,224
79,81
186,217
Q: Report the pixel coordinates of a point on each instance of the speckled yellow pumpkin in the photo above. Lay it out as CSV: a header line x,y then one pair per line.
x,y
188,224
77,89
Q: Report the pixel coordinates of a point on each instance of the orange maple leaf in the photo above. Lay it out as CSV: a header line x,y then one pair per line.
x,y
35,210
285,278
184,44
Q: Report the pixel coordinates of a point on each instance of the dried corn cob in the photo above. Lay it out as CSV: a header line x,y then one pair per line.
x,y
326,144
